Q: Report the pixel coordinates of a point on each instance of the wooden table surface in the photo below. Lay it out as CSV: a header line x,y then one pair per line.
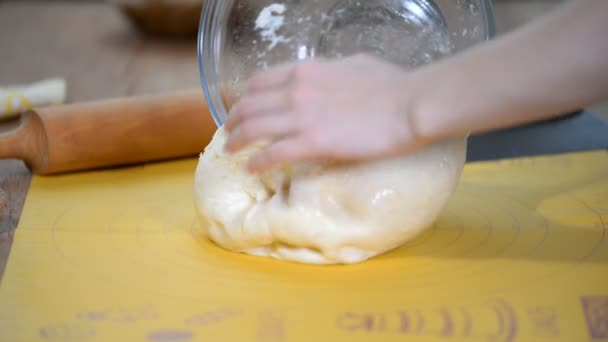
x,y
99,54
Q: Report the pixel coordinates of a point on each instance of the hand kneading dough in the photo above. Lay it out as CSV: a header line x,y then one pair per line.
x,y
322,214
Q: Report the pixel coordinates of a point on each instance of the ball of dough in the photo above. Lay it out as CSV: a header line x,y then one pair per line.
x,y
322,213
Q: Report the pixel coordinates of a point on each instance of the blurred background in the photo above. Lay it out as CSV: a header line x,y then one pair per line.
x,y
114,48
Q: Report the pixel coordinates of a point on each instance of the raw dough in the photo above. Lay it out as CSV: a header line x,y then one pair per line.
x,y
323,214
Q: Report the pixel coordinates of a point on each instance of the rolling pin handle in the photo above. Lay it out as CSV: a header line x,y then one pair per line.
x,y
23,138
10,134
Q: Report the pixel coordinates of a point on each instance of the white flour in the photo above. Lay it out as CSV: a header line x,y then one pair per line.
x,y
269,21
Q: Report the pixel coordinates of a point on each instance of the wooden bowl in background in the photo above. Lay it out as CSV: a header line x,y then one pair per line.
x,y
163,17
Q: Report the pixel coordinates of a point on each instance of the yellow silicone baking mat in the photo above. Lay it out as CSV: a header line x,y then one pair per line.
x,y
519,254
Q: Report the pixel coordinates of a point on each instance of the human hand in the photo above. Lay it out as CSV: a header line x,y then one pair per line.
x,y
352,109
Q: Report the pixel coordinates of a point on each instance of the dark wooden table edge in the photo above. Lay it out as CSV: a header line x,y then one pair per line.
x,y
14,187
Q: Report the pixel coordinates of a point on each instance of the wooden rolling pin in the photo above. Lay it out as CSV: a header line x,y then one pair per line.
x,y
109,133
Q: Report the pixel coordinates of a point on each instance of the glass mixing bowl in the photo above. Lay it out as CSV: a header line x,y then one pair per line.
x,y
239,37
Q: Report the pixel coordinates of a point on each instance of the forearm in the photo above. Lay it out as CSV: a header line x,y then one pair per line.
x,y
553,66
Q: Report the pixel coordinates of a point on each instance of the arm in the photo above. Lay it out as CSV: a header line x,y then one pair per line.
x,y
553,66
363,108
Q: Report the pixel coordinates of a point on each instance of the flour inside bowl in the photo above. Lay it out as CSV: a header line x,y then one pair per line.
x,y
269,21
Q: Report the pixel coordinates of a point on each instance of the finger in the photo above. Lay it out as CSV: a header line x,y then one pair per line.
x,y
275,77
233,120
285,151
271,127
257,105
